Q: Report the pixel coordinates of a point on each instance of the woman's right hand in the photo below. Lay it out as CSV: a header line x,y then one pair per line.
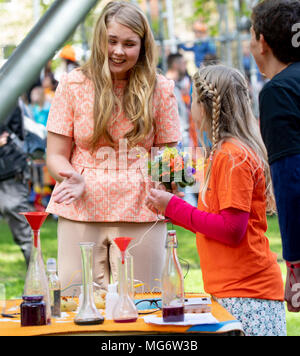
x,y
70,189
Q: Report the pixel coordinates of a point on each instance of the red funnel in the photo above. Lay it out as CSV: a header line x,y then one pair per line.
x,y
35,220
122,243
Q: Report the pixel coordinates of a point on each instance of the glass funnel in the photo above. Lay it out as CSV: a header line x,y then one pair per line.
x,y
36,282
88,313
125,310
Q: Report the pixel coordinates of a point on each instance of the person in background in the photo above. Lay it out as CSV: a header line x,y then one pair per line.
x,y
103,113
177,72
247,64
238,268
48,81
68,55
40,107
14,180
277,56
210,59
202,46
49,86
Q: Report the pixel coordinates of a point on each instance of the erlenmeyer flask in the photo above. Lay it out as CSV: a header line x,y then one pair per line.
x,y
36,282
88,313
125,310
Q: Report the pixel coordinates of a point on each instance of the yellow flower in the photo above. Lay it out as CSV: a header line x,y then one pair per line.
x,y
168,153
200,164
166,156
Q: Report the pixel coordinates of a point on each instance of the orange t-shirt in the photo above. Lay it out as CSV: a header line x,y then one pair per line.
x,y
249,270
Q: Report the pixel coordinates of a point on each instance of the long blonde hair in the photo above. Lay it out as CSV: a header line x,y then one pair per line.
x,y
137,100
223,92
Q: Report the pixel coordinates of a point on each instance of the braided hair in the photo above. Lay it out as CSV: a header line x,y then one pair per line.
x,y
223,93
206,91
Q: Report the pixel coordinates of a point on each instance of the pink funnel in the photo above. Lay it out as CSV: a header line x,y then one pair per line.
x,y
35,220
122,243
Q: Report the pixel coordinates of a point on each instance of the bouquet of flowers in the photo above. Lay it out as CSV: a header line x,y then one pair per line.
x,y
171,164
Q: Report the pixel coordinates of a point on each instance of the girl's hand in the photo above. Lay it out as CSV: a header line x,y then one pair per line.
x,y
158,199
175,190
70,189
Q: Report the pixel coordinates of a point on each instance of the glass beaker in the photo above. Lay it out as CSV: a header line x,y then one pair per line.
x,y
88,313
125,310
172,283
36,282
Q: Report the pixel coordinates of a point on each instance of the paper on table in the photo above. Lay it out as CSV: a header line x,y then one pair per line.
x,y
193,301
189,319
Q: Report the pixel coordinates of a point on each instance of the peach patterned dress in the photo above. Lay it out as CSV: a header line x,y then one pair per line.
x,y
116,187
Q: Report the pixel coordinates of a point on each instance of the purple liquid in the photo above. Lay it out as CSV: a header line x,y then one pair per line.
x,y
173,314
33,311
132,320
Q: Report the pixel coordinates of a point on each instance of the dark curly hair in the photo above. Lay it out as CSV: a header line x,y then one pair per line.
x,y
274,19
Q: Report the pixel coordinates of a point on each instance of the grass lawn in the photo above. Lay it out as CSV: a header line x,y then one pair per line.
x,y
13,269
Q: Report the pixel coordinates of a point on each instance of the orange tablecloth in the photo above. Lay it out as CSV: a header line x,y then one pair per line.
x,y
65,325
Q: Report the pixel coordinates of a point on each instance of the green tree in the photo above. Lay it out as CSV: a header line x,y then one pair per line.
x,y
236,9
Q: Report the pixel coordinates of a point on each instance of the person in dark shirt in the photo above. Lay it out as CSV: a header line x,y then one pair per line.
x,y
14,177
203,46
277,54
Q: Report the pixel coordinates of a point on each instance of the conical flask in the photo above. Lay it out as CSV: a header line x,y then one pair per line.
x,y
125,310
36,282
88,313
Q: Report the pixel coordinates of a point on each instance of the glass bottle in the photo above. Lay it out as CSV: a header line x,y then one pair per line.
x,y
36,282
88,313
54,288
33,311
172,283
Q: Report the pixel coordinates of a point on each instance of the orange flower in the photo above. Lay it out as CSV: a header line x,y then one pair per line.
x,y
178,166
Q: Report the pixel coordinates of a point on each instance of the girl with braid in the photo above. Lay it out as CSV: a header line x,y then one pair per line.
x,y
238,268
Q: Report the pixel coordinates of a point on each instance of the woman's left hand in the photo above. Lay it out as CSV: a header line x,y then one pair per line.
x,y
158,199
70,189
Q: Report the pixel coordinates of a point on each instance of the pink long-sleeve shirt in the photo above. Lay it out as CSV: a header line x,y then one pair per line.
x,y
227,227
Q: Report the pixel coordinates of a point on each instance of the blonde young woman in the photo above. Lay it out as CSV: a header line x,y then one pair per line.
x,y
101,112
238,268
